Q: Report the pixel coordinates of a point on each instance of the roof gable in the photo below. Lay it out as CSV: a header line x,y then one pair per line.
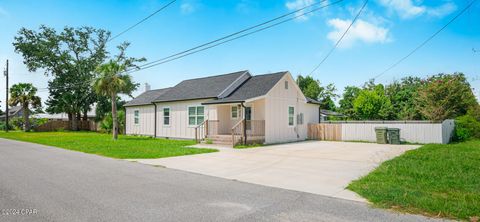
x,y
203,88
255,86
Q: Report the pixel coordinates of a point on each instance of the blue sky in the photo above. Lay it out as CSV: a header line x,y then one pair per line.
x,y
385,32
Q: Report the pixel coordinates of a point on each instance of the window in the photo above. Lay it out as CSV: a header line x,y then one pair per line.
x,y
234,112
300,119
291,115
166,116
136,117
286,84
196,115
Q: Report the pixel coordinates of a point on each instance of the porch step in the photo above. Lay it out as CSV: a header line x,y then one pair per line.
x,y
220,139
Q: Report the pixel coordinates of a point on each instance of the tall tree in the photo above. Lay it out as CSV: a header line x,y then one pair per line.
x,y
350,93
24,94
373,104
312,88
104,106
445,96
113,79
402,94
327,97
71,57
309,86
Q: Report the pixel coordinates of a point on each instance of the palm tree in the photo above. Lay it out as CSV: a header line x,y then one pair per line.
x,y
111,81
24,94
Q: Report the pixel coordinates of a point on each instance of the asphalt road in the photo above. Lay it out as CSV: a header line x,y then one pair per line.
x,y
52,184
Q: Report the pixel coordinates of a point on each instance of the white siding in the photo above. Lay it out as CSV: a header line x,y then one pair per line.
x,y
225,120
179,127
277,102
145,125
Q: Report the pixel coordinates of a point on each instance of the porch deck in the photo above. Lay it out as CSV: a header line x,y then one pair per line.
x,y
244,131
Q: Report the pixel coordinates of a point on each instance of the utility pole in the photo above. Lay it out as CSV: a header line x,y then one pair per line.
x,y
6,98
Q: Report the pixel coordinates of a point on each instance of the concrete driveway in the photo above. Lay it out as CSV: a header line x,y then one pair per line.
x,y
318,167
64,185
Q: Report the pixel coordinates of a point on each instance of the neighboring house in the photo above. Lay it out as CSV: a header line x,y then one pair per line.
x,y
326,115
227,108
62,116
13,112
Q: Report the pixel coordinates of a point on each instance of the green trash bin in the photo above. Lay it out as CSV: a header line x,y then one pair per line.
x,y
381,133
393,135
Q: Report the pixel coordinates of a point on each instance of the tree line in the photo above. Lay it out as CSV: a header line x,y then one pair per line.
x,y
83,73
436,98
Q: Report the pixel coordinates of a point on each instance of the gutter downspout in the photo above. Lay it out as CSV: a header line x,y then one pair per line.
x,y
155,122
244,123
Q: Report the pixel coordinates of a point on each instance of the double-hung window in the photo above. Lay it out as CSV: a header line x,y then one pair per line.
x,y
136,116
196,115
166,116
291,116
234,112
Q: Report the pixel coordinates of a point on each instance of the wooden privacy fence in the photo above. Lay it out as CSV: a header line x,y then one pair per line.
x,y
410,131
54,125
332,132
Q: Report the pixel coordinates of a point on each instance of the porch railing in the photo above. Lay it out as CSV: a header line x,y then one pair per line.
x,y
246,131
201,131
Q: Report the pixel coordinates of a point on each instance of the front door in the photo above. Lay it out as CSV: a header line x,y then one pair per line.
x,y
248,117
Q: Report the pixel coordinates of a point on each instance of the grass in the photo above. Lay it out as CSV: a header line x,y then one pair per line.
x,y
126,147
434,180
248,146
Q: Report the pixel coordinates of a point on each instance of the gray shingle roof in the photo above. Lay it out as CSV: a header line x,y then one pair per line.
x,y
254,87
313,101
200,88
147,97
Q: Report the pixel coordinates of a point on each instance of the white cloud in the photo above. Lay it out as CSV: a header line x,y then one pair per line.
x,y
404,8
442,10
360,31
298,4
408,8
187,8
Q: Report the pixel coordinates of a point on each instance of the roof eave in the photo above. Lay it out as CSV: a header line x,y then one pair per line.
x,y
179,100
222,102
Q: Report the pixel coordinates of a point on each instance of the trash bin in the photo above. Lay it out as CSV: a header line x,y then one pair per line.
x,y
393,135
381,133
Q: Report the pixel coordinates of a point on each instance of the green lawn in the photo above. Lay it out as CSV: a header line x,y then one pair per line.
x,y
435,180
126,147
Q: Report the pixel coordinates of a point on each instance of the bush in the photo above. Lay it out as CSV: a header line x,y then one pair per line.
x,y
106,125
17,123
2,126
466,127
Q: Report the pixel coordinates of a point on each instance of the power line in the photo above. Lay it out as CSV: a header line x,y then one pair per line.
x,y
235,33
220,42
340,39
141,21
170,58
426,41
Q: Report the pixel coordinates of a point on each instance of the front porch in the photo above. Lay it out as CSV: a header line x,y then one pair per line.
x,y
233,124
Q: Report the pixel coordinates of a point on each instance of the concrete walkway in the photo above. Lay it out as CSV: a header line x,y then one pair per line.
x,y
317,167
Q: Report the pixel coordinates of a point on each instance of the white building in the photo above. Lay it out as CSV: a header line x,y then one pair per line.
x,y
229,108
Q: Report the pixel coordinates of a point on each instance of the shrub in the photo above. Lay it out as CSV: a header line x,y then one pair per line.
x,y
17,123
106,125
466,127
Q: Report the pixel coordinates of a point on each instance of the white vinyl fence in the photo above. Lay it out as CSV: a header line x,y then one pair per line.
x,y
410,131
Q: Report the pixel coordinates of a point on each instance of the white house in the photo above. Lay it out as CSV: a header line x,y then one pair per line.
x,y
229,108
